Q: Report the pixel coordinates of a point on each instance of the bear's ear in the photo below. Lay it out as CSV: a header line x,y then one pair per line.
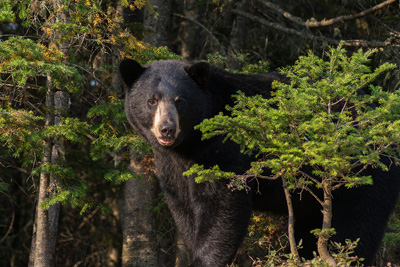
x,y
199,72
130,71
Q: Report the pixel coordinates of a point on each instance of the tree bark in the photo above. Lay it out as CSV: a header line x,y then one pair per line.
x,y
159,22
61,105
189,30
238,35
323,238
40,248
292,239
139,234
138,222
45,230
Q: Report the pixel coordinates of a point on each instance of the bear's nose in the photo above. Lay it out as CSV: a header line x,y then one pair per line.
x,y
168,131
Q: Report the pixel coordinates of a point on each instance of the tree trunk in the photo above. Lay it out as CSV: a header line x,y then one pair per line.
x,y
292,239
238,35
159,22
139,234
138,222
40,247
61,105
45,230
323,238
190,31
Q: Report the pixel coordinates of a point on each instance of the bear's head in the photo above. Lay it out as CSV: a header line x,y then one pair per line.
x,y
166,99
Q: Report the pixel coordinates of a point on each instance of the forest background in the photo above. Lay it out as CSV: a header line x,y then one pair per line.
x,y
77,186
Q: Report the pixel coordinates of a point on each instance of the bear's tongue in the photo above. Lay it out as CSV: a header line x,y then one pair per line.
x,y
166,141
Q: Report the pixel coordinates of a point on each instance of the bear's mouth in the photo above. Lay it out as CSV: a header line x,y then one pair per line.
x,y
165,141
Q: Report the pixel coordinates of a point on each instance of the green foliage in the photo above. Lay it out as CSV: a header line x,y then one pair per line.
x,y
240,59
148,54
320,120
112,132
23,59
6,12
260,67
120,176
208,175
20,134
217,59
58,172
342,253
70,129
327,232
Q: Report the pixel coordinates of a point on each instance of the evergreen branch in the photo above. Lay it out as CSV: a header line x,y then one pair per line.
x,y
92,75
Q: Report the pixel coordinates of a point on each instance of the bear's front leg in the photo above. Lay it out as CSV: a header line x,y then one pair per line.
x,y
221,218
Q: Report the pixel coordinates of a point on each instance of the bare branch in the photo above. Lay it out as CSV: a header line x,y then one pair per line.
x,y
284,13
323,23
305,34
313,194
271,178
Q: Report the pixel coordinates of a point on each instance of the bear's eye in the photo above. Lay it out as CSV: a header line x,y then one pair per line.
x,y
152,102
179,101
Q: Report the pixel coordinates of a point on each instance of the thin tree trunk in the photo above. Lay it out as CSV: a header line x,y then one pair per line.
x,y
33,243
61,104
40,248
292,239
323,238
45,230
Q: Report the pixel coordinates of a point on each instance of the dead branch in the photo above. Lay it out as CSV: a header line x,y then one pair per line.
x,y
305,34
323,23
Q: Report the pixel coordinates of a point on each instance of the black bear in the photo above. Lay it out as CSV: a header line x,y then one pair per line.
x,y
166,99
